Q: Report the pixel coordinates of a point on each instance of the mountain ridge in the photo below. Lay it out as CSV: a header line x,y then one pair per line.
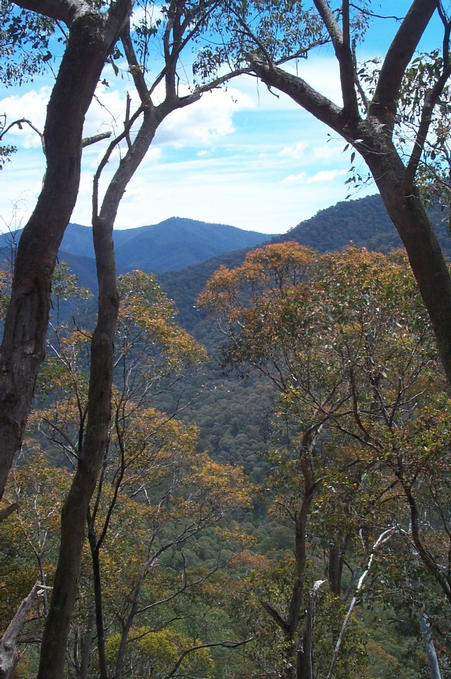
x,y
174,243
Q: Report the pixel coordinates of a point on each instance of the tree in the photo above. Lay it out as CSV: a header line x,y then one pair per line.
x,y
183,22
347,343
368,122
156,493
92,34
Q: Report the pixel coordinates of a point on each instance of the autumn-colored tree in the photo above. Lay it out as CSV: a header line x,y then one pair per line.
x,y
396,117
347,344
156,493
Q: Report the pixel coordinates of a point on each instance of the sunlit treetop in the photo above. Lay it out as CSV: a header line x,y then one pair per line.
x,y
147,317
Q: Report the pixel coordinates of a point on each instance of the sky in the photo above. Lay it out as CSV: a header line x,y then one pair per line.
x,y
240,156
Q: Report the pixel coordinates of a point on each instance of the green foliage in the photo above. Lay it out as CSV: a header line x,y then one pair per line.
x,y
155,652
65,284
275,30
346,340
24,43
5,284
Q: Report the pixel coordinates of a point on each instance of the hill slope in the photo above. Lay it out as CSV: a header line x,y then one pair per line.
x,y
363,222
172,244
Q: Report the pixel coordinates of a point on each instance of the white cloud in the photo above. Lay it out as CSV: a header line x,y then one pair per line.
x,y
150,13
325,176
323,75
296,150
295,178
205,121
31,105
333,149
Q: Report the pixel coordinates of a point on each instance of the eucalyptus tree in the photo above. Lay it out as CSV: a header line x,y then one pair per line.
x,y
396,117
179,28
91,35
347,343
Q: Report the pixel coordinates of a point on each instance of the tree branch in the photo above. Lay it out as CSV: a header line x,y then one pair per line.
x,y
301,92
88,141
222,644
430,101
275,615
54,9
8,652
383,105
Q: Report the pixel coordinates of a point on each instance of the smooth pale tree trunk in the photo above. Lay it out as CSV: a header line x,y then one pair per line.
x,y
91,37
305,660
9,655
426,633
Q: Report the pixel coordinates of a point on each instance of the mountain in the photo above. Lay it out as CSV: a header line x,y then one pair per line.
x,y
363,223
177,243
185,252
172,244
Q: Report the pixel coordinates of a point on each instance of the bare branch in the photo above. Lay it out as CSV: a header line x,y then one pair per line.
x,y
88,141
54,9
134,67
19,123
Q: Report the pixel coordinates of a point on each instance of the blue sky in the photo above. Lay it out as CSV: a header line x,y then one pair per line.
x,y
240,156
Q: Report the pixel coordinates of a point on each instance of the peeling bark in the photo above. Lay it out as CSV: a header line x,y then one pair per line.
x,y
426,633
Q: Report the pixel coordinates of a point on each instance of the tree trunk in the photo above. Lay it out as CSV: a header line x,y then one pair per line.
x,y
85,649
335,568
75,508
91,37
415,229
8,651
372,138
95,557
425,628
305,668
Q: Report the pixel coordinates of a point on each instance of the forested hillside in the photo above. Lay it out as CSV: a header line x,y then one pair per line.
x,y
169,245
221,491
225,455
363,223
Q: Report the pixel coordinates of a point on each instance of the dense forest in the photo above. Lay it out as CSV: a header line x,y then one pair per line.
x,y
327,426
238,470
